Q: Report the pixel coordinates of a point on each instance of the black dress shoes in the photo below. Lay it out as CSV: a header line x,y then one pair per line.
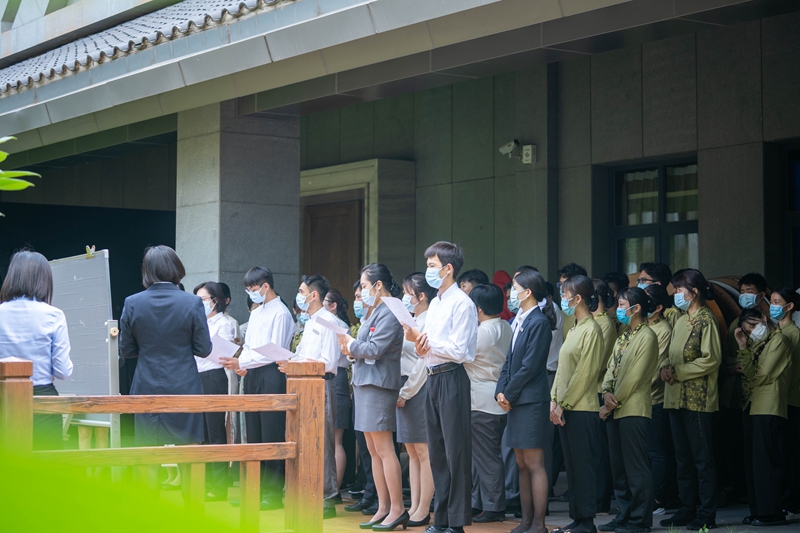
x,y
679,519
368,525
328,512
771,520
371,510
489,516
401,521
360,505
419,523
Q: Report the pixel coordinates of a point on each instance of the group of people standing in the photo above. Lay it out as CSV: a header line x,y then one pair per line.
x,y
621,382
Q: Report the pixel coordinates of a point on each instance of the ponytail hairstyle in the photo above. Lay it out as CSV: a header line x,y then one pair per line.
x,y
636,296
416,284
376,272
658,295
604,292
691,279
341,305
790,297
582,286
529,278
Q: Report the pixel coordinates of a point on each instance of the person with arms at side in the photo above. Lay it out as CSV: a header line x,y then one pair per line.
x,y
522,390
471,279
32,329
235,323
616,281
691,396
270,323
165,329
567,271
659,274
449,340
411,429
488,418
554,456
573,400
215,381
627,407
376,384
765,356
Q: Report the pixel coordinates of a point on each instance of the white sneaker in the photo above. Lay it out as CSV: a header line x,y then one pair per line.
x,y
660,510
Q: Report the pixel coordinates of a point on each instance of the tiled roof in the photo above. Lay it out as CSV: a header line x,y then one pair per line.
x,y
173,22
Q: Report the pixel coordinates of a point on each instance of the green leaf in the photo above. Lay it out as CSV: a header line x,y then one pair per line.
x,y
7,138
11,184
17,174
3,156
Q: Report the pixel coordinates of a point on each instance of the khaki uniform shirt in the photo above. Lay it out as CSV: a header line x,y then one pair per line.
x,y
766,371
629,373
609,329
792,333
579,362
663,332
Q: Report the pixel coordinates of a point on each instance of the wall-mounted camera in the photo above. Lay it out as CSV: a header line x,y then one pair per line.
x,y
526,153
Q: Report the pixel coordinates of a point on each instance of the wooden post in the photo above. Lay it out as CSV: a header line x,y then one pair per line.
x,y
16,406
196,483
305,426
249,496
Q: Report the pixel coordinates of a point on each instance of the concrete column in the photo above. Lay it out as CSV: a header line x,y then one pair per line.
x,y
238,198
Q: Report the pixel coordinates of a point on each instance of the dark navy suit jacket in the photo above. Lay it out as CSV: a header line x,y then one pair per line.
x,y
524,375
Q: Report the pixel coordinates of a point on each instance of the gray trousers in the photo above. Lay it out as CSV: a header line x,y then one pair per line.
x,y
448,419
330,486
488,470
630,469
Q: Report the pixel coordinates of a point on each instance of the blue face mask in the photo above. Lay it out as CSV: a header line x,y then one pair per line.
x,y
368,300
358,309
209,307
642,286
300,300
569,311
513,302
681,302
747,301
256,296
776,312
432,277
408,304
622,316
303,318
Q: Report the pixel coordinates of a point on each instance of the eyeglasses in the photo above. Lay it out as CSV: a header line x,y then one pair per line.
x,y
645,281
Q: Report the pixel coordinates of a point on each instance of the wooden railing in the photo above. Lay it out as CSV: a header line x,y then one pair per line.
x,y
304,403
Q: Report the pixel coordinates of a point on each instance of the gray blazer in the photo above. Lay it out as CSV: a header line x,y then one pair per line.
x,y
384,345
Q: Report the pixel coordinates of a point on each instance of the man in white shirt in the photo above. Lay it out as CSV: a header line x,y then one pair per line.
x,y
320,344
272,322
450,339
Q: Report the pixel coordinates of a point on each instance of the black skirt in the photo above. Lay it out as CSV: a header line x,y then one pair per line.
x,y
343,403
527,426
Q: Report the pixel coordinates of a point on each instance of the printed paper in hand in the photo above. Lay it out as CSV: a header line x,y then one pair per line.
x,y
222,348
398,309
273,352
336,328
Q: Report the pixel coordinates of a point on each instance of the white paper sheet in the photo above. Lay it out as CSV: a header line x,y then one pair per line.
x,y
273,352
336,328
398,309
222,348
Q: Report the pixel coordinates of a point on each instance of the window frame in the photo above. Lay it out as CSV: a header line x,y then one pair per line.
x,y
660,230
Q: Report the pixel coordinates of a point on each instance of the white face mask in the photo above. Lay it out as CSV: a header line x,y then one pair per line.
x,y
759,332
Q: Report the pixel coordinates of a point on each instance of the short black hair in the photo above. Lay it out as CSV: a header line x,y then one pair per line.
x,y
659,296
318,284
259,276
754,278
216,292
226,291
489,298
29,276
752,315
660,272
448,254
572,269
617,278
474,276
161,264
357,285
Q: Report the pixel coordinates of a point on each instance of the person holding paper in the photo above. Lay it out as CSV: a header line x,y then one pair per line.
x,y
376,383
270,323
319,343
215,381
450,339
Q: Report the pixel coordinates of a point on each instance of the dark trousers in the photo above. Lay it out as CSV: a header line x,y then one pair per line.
x,y
662,456
578,437
47,428
763,463
553,455
215,382
697,476
602,465
729,451
365,461
792,495
630,469
488,470
267,426
448,417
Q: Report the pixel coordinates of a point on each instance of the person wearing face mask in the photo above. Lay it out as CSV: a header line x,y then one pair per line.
x,y
573,400
567,271
300,319
627,407
765,356
659,274
783,302
215,381
376,384
411,404
616,281
691,397
271,322
659,435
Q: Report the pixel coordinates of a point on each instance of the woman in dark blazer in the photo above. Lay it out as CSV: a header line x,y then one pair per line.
x,y
165,328
523,391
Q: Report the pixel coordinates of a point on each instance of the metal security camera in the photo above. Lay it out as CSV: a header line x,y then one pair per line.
x,y
509,147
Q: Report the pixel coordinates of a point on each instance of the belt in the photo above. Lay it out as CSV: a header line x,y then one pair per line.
x,y
329,375
444,367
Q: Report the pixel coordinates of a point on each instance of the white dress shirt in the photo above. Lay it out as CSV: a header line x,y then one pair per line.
x,y
452,328
37,332
518,321
271,322
234,323
320,343
344,363
494,337
217,325
412,365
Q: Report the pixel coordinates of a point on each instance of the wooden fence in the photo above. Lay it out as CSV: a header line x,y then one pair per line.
x,y
304,403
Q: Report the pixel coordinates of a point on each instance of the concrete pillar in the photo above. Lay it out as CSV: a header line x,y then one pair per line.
x,y
238,198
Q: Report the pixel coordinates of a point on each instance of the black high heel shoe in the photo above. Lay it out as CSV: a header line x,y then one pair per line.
x,y
368,525
424,522
401,521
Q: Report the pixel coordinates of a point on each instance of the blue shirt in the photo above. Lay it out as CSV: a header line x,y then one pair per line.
x,y
37,332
